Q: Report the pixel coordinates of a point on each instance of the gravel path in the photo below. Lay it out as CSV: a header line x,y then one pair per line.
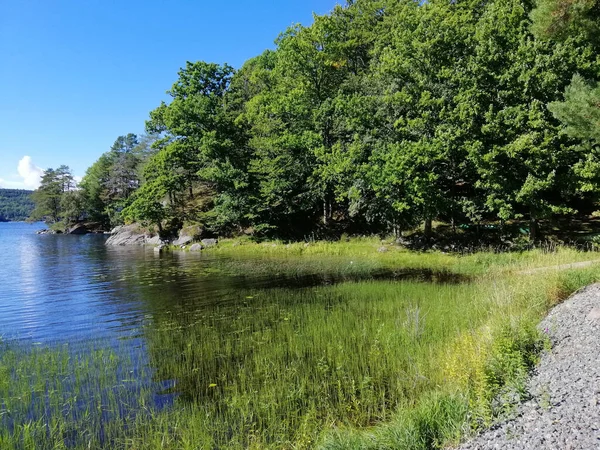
x,y
564,412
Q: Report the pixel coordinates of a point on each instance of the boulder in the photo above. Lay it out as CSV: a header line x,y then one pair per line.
x,y
183,240
383,249
196,248
131,235
78,229
188,234
154,240
404,242
209,242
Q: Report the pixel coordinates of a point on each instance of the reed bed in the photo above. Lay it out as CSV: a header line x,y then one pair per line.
x,y
360,363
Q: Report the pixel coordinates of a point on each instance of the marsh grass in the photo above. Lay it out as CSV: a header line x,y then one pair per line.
x,y
362,255
357,364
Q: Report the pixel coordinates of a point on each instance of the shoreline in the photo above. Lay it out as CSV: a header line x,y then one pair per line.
x,y
564,409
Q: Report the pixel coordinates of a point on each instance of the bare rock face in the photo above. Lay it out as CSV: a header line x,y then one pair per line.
x,y
188,234
47,231
79,229
155,240
196,248
183,240
131,235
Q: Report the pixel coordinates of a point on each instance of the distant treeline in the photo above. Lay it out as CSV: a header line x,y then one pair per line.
x,y
15,204
378,117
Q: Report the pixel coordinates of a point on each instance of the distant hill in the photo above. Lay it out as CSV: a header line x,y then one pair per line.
x,y
15,204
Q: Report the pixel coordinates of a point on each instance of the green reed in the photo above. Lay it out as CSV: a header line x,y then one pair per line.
x,y
359,364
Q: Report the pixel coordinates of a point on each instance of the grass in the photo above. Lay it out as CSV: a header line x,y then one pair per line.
x,y
358,364
364,255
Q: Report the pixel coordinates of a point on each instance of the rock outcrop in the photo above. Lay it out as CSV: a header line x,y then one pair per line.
x,y
47,231
131,235
79,229
187,235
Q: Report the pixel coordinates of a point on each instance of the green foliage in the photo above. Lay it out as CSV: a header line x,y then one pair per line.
x,y
580,111
55,186
15,204
560,18
377,117
110,182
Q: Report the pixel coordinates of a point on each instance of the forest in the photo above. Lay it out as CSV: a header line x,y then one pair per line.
x,y
15,205
380,117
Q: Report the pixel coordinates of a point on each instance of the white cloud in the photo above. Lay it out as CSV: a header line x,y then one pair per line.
x,y
11,184
30,173
29,176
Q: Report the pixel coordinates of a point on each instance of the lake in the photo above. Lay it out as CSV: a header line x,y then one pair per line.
x,y
58,288
108,345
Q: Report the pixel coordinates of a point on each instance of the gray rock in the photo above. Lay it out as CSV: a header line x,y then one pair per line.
x,y
131,235
47,231
402,241
154,240
209,242
196,247
594,314
383,249
78,229
188,234
183,240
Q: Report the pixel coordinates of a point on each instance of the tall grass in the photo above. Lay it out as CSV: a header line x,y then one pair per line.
x,y
361,255
359,364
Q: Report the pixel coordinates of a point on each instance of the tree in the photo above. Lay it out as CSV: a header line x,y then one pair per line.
x,y
525,166
420,64
55,183
562,18
580,111
110,182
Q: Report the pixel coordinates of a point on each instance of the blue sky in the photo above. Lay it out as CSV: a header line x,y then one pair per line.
x,y
76,74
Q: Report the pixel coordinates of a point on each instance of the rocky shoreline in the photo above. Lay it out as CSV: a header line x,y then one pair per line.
x,y
189,238
564,410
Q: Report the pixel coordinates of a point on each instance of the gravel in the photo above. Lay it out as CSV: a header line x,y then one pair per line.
x,y
564,410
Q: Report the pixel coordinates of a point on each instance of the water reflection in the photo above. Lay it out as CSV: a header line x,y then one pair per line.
x,y
69,288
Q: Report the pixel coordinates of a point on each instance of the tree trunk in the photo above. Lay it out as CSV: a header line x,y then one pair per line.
x,y
533,229
428,228
325,212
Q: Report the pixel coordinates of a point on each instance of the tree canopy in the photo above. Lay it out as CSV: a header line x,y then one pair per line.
x,y
15,204
379,116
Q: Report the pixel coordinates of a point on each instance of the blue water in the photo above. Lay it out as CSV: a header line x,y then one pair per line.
x,y
56,288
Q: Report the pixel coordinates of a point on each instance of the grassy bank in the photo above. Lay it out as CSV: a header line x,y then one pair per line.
x,y
358,364
365,255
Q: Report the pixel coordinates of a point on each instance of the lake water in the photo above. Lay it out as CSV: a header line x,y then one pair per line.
x,y
57,288
245,350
